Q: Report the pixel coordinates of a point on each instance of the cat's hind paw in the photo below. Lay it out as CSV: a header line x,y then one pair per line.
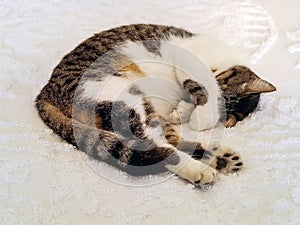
x,y
227,160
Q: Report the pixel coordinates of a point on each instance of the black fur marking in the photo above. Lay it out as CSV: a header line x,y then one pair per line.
x,y
148,108
153,123
152,119
241,107
192,148
153,46
103,110
198,154
134,90
201,154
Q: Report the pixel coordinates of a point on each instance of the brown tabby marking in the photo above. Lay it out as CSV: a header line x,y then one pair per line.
x,y
241,89
171,135
133,68
241,81
197,91
89,125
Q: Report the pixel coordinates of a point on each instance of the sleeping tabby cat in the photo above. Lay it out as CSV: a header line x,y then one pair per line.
x,y
114,98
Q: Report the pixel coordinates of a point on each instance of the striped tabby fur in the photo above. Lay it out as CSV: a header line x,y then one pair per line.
x,y
141,141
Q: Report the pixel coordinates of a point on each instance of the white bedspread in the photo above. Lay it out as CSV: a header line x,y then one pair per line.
x,y
43,180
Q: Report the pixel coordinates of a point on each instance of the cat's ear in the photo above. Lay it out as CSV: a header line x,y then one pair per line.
x,y
257,86
224,75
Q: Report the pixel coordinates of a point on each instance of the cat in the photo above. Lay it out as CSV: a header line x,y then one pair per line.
x,y
114,98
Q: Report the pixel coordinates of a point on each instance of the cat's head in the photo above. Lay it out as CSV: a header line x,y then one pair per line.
x,y
241,89
240,81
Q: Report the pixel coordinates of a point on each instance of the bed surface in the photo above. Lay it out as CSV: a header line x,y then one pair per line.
x,y
43,180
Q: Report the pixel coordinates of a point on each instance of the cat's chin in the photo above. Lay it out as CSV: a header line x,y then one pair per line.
x,y
202,118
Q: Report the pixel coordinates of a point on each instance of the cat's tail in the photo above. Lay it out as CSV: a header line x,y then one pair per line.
x,y
55,118
81,135
97,143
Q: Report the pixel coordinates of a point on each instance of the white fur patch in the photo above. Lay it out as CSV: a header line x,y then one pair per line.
x,y
200,49
212,51
110,89
157,135
204,118
193,170
180,59
182,113
184,159
114,89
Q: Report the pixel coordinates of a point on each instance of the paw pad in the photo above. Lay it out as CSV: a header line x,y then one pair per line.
x,y
227,160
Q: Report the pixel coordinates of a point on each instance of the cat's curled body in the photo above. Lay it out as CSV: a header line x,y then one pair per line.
x,y
119,110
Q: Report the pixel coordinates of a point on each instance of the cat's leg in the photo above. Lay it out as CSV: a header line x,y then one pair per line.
x,y
101,144
178,162
191,169
152,154
135,156
133,140
206,112
222,158
198,94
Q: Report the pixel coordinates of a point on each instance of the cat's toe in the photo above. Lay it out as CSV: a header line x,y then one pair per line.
x,y
208,178
234,162
199,174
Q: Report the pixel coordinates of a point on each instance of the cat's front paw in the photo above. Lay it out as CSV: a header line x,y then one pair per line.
x,y
226,160
231,121
203,118
198,173
198,93
182,113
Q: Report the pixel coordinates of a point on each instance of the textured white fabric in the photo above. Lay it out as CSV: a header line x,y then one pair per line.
x,y
43,180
